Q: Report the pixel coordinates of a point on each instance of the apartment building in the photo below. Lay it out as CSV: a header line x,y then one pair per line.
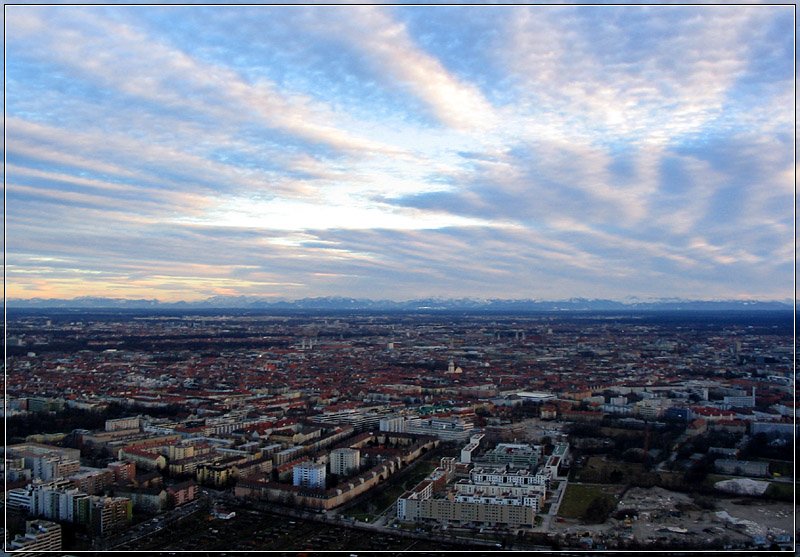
x,y
512,454
46,462
395,424
503,494
40,535
490,511
345,461
445,428
123,424
309,474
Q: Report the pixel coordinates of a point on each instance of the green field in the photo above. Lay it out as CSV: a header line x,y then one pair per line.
x,y
578,497
601,470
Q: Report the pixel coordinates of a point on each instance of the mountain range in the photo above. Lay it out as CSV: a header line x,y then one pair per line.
x,y
422,304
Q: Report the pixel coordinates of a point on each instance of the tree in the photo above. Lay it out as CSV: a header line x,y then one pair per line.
x,y
599,509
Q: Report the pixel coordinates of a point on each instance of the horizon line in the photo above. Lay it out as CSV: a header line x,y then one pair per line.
x,y
269,299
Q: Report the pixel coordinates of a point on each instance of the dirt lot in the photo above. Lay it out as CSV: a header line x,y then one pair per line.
x,y
769,515
669,517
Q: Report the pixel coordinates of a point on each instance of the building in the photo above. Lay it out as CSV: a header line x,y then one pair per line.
x,y
556,462
143,459
512,454
531,494
742,467
40,535
446,429
286,455
68,505
678,413
46,462
147,499
394,424
123,471
53,500
122,424
291,436
309,474
345,461
30,499
492,497
548,411
182,493
45,404
652,408
778,429
110,514
470,448
92,480
740,401
536,397
505,475
20,499
489,511
217,474
361,419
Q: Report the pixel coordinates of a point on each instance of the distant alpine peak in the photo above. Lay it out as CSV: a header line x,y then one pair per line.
x,y
428,303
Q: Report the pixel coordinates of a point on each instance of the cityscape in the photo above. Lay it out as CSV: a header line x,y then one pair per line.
x,y
399,279
429,429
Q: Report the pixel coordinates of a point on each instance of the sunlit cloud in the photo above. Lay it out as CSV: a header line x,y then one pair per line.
x,y
281,214
401,62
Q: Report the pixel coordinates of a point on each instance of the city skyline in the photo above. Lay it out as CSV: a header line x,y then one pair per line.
x,y
545,152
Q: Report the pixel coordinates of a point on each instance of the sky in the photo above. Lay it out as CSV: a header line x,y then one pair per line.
x,y
398,152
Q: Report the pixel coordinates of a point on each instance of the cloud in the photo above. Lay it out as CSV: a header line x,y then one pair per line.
x,y
396,55
524,151
647,74
154,70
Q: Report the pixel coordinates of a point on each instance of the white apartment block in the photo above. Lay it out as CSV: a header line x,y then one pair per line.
x,y
309,474
531,495
393,424
470,448
502,476
446,429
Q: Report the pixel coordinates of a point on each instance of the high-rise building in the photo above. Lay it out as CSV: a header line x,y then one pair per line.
x,y
394,424
345,461
467,452
69,505
309,474
110,514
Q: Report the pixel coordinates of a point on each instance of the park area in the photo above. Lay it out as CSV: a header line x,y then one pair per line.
x,y
590,502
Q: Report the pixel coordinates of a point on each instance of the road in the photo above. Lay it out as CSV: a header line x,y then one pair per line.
x,y
555,503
